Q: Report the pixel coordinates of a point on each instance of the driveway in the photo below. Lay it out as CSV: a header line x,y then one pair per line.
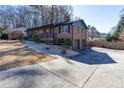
x,y
95,67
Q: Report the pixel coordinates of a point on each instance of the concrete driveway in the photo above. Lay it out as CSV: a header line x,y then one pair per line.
x,y
96,67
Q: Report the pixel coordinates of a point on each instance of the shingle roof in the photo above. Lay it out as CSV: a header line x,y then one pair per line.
x,y
60,23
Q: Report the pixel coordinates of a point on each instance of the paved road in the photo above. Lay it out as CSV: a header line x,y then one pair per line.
x,y
96,67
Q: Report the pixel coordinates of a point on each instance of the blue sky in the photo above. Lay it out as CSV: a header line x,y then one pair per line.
x,y
103,17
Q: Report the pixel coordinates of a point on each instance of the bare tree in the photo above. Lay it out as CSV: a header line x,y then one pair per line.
x,y
34,15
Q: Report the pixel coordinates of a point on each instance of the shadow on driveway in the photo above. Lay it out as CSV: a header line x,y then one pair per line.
x,y
92,57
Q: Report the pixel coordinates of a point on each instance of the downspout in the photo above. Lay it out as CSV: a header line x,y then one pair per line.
x,y
72,36
86,38
53,35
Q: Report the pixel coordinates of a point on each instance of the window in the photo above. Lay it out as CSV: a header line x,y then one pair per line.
x,y
59,29
64,28
78,28
50,30
44,31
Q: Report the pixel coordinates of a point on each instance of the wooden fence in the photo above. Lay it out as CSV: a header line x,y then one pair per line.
x,y
105,44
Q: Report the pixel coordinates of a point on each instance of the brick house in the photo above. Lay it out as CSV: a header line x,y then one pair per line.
x,y
75,31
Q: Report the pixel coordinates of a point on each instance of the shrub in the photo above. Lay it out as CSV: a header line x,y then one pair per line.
x,y
108,37
36,38
68,42
4,36
1,30
65,42
57,42
114,36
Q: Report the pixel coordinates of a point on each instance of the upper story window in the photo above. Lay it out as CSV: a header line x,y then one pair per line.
x,y
78,28
64,29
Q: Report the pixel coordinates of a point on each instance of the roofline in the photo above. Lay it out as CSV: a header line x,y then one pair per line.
x,y
56,24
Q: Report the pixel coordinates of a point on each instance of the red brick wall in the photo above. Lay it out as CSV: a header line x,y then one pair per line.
x,y
63,34
78,35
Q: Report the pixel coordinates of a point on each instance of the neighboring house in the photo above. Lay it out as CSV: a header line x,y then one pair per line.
x,y
102,35
75,31
19,29
94,34
17,33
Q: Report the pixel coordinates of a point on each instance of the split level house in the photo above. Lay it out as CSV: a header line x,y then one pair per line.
x,y
75,31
